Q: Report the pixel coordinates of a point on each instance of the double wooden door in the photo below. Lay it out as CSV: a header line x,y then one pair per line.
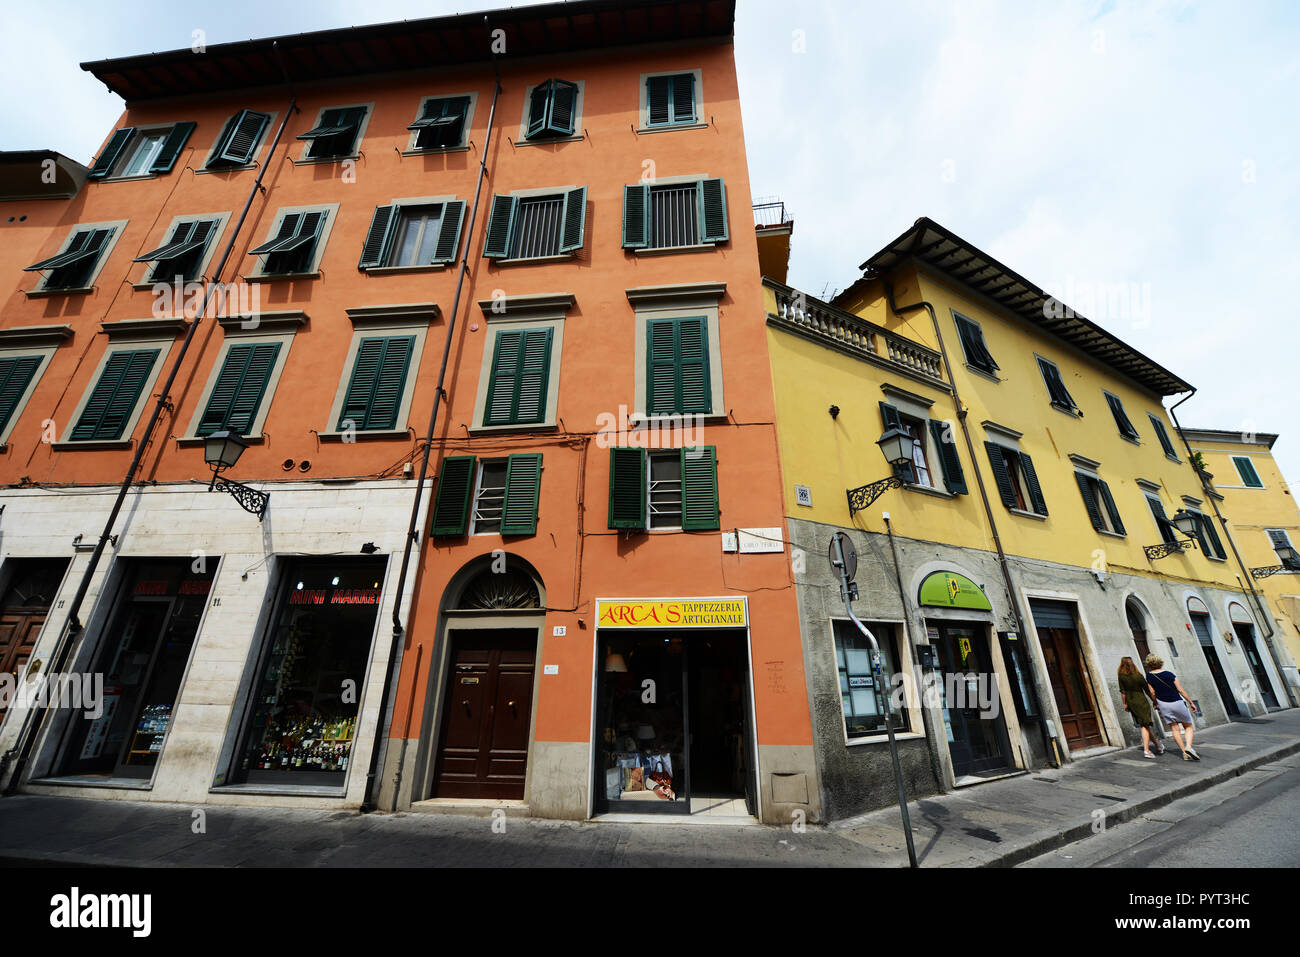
x,y
486,715
19,628
1070,687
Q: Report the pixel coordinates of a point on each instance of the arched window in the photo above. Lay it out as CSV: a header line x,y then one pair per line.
x,y
487,590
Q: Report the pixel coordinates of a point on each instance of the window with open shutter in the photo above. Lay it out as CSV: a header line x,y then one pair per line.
x,y
374,251
574,229
1002,474
1031,482
635,216
108,156
972,343
378,383
501,221
1211,544
893,419
677,367
713,211
954,479
293,247
1060,396
76,264
627,488
455,489
518,384
239,139
1163,436
552,109
336,133
1100,504
114,397
182,253
172,145
1108,500
1121,417
700,489
1167,530
523,491
441,124
1090,502
1246,469
240,386
16,374
453,216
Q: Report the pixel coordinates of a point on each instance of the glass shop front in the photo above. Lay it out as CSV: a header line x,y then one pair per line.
x,y
302,714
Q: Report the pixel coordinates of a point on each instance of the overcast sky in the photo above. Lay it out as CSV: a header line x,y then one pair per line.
x,y
1093,146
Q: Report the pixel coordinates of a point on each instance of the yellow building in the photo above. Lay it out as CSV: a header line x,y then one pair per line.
x,y
1255,499
1030,545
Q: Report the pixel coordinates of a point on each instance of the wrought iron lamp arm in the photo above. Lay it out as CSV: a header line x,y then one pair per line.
x,y
861,497
249,499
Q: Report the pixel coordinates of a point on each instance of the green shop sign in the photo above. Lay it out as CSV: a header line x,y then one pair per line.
x,y
950,590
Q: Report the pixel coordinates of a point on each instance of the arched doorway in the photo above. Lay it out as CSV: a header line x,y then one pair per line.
x,y
493,611
1201,625
1138,626
1244,626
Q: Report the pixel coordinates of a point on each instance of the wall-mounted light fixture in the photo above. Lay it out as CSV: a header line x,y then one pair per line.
x,y
221,450
897,446
1290,564
1183,521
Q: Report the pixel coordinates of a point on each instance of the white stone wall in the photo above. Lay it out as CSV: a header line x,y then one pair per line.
x,y
304,519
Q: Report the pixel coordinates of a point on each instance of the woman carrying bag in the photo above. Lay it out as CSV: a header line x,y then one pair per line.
x,y
1137,702
1173,703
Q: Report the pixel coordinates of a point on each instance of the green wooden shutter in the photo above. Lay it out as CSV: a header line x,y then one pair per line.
x,y
1001,477
1111,508
1246,469
517,387
1090,500
503,381
108,155
1167,530
523,491
1060,395
374,251
712,200
1121,417
539,102
893,420
171,147
695,390
114,396
390,383
361,388
661,366
627,488
240,140
1031,480
501,225
636,218
954,479
700,489
972,340
15,376
240,385
534,376
683,89
659,100
455,489
563,108
574,229
453,216
1163,436
1212,534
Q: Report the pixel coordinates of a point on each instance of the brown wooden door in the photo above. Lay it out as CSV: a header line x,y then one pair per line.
x,y
487,712
1079,721
18,631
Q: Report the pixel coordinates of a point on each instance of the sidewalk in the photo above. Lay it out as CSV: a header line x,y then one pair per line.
x,y
1001,823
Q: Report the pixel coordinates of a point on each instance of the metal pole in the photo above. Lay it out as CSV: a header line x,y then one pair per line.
x,y
889,717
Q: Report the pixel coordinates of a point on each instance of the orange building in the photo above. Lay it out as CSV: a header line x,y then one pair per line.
x,y
526,235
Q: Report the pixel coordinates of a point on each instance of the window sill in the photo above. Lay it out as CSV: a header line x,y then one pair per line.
x,y
191,441
548,140
1131,439
47,293
398,270
562,257
639,419
360,434
670,127
927,490
669,250
515,427
169,283
318,160
1108,533
281,277
303,790
884,738
1023,513
983,373
224,169
1173,458
1214,558
93,445
129,179
435,150
1073,413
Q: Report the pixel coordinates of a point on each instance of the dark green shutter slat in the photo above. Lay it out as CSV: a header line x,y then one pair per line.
x,y
257,376
523,491
1162,435
627,488
1001,476
1121,417
1246,469
390,382
1031,480
636,222
15,375
1213,535
288,226
109,154
115,395
172,147
1167,530
503,378
1109,501
374,250
1090,501
245,131
954,479
575,220
223,392
517,386
455,488
661,366
683,87
365,370
695,389
563,108
95,406
658,92
972,338
496,245
700,489
535,371
538,104
453,216
713,211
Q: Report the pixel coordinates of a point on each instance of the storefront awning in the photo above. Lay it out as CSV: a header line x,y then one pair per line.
x,y
950,590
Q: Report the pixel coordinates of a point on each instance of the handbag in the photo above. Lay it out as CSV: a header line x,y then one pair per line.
x,y
661,782
634,779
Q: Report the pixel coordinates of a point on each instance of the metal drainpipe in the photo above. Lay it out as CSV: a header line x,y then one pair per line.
x,y
72,626
1049,741
368,803
1259,602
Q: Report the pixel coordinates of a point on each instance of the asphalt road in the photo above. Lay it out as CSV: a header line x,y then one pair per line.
x,y
1249,821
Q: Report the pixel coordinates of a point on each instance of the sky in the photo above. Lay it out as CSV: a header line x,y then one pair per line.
x,y
1140,160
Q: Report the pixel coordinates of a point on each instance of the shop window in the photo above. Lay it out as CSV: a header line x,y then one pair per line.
x,y
1163,435
1056,390
413,234
496,496
335,134
675,489
1099,503
1246,469
863,699
973,345
536,225
183,252
441,124
302,718
237,144
141,152
1016,479
675,215
142,655
76,265
1125,426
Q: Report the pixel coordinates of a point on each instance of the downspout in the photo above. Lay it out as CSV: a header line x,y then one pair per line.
x,y
368,803
1264,616
72,624
1049,739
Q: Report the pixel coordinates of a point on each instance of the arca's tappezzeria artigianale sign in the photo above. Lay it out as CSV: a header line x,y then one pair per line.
x,y
673,613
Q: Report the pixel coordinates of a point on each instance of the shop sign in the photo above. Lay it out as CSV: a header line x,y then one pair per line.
x,y
674,613
950,590
334,596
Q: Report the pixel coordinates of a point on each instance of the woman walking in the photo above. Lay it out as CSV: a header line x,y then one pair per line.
x,y
1173,703
1137,702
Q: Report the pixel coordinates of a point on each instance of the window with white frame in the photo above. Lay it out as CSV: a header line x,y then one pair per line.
x,y
76,265
296,241
863,698
1246,469
141,151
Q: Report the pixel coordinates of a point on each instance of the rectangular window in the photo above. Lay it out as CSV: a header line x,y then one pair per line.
x,y
293,247
238,141
918,471
336,134
1207,537
16,373
441,124
1056,389
495,496
1168,533
136,152
182,253
76,265
972,343
1163,436
1279,539
1121,417
518,386
677,367
531,227
489,497
537,227
1016,479
552,110
945,445
670,100
664,490
237,394
418,234
862,697
114,397
675,215
377,385
1100,504
1246,469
